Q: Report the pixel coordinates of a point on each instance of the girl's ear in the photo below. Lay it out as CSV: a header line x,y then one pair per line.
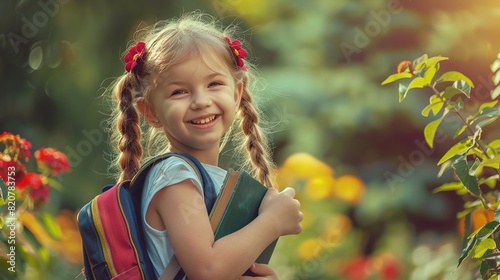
x,y
238,92
148,113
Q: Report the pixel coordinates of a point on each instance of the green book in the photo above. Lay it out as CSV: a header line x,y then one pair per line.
x,y
236,206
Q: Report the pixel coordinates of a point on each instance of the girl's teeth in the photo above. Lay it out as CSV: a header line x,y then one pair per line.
x,y
204,121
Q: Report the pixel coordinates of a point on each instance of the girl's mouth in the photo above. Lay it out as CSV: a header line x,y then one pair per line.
x,y
205,122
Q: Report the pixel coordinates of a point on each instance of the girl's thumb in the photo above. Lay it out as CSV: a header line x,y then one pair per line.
x,y
261,269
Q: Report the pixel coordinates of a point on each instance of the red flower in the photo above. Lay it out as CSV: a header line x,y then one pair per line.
x,y
11,167
36,186
358,268
40,195
16,146
238,52
55,161
134,53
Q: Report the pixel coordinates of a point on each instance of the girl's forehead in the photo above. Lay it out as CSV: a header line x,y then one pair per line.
x,y
207,58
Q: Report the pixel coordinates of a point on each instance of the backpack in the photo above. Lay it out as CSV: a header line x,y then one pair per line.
x,y
112,231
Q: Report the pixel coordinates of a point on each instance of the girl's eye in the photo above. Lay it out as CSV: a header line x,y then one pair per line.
x,y
214,84
178,91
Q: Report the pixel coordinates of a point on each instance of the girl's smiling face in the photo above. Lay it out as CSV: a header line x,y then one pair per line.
x,y
195,103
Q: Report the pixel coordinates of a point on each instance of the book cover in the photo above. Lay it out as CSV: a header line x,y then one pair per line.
x,y
236,206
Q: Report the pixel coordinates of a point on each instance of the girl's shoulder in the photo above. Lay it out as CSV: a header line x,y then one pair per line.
x,y
169,171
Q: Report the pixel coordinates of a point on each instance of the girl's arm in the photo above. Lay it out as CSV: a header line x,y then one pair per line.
x,y
182,211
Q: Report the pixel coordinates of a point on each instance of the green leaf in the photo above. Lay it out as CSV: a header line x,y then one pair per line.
x,y
434,60
466,249
430,131
495,65
429,74
463,86
495,144
452,186
497,215
453,76
418,82
395,77
486,230
55,184
495,93
458,148
419,62
51,226
475,168
484,123
402,89
459,131
489,112
493,163
451,91
435,105
483,246
462,170
485,105
490,181
444,167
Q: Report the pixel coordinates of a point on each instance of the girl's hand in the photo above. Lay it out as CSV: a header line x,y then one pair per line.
x,y
263,272
283,209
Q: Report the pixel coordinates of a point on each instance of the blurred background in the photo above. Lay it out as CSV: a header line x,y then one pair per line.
x,y
356,156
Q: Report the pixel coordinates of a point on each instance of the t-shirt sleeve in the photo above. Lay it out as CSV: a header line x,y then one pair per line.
x,y
168,172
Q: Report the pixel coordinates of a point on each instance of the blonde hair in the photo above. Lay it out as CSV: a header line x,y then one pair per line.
x,y
167,44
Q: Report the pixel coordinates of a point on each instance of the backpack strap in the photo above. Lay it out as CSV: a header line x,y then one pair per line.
x,y
174,270
137,182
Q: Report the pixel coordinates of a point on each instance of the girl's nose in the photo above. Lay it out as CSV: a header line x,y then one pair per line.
x,y
201,99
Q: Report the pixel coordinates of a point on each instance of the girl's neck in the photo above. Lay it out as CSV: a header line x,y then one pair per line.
x,y
203,156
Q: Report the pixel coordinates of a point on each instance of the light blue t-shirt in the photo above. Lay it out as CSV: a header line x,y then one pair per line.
x,y
166,173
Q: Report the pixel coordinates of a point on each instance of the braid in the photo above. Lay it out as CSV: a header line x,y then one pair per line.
x,y
255,142
129,143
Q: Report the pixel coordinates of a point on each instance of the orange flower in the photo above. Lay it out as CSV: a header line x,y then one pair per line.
x,y
479,218
405,65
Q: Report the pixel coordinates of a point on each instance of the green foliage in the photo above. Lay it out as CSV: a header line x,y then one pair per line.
x,y
476,164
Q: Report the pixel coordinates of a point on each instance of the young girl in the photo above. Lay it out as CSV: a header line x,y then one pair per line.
x,y
189,81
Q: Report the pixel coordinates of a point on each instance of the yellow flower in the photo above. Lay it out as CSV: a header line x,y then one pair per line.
x,y
304,166
334,228
320,187
309,249
349,188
